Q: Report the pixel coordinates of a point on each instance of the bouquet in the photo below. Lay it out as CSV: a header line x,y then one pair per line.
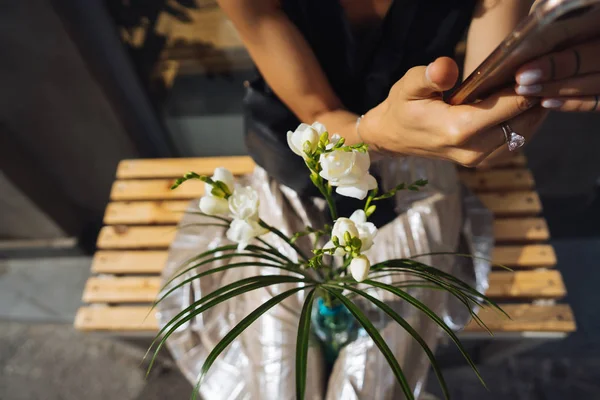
x,y
332,277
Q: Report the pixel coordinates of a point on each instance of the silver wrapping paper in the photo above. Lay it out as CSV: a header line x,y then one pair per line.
x,y
260,363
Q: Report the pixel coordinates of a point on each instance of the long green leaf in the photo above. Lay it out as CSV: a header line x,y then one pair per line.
x,y
427,311
431,274
460,293
288,267
200,310
266,279
228,220
219,269
238,329
449,253
274,250
408,328
302,345
377,339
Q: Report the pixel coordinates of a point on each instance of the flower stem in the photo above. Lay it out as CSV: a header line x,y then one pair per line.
x,y
284,237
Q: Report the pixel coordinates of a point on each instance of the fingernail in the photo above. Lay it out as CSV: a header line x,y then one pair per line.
x,y
552,103
529,77
528,89
427,72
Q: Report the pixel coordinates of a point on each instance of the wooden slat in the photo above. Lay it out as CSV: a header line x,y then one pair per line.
x,y
512,203
121,290
145,212
129,262
150,189
509,179
170,212
523,284
525,317
141,237
116,319
520,284
175,167
153,262
529,256
520,230
524,202
131,237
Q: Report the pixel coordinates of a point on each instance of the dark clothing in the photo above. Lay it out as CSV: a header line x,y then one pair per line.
x,y
414,32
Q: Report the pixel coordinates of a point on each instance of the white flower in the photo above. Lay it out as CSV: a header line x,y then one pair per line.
x,y
303,134
366,230
341,226
349,171
243,203
212,205
359,268
223,175
333,141
243,231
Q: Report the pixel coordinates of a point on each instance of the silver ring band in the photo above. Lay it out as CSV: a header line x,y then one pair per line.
x,y
512,138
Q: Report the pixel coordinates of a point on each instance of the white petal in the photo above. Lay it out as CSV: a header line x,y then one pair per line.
x,y
212,205
319,127
359,268
356,192
370,181
359,217
363,160
224,175
290,141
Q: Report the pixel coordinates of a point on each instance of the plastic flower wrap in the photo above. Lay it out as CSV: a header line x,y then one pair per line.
x,y
335,273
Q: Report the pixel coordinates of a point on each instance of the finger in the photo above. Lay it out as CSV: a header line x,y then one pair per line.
x,y
471,119
577,60
573,104
583,85
492,142
426,82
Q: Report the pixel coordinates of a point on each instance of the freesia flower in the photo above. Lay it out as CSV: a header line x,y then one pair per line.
x,y
243,203
213,205
242,231
305,134
366,230
349,172
359,268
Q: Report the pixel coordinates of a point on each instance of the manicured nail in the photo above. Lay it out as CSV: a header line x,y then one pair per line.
x,y
427,72
552,103
529,77
525,90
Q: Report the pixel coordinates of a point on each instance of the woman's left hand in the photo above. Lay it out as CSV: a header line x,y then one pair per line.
x,y
567,80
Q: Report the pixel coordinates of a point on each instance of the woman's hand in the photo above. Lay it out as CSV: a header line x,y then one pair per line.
x,y
415,120
567,80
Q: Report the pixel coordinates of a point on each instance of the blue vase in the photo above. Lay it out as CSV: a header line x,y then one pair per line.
x,y
334,326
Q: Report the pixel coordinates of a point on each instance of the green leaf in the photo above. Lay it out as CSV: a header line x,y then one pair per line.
x,y
422,307
223,268
408,328
192,313
302,345
378,340
264,280
237,330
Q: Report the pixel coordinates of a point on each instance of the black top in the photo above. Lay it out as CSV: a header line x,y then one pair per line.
x,y
413,32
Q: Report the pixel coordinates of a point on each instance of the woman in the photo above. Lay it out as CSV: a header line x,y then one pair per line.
x,y
332,61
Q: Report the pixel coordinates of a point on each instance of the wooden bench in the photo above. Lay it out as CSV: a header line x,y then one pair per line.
x,y
143,212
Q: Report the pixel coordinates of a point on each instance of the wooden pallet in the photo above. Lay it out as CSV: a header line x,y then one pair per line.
x,y
143,212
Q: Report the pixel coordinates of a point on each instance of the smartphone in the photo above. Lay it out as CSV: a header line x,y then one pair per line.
x,y
551,26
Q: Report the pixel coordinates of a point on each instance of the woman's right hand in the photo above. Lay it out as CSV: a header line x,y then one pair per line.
x,y
414,119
